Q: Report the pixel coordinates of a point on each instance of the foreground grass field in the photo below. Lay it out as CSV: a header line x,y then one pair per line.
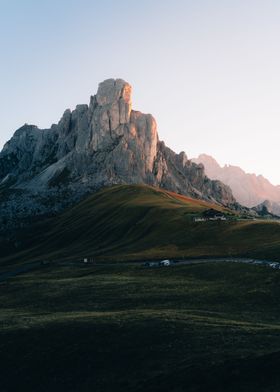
x,y
141,222
205,327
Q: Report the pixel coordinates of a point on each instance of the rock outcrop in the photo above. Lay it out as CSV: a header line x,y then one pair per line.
x,y
248,189
104,143
268,207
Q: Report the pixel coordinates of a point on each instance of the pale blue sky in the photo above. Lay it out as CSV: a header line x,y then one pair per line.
x,y
208,70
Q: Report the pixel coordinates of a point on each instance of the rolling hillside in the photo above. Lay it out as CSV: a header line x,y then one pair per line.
x,y
141,222
121,326
197,328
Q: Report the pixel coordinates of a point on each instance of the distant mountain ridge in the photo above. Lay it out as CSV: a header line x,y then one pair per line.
x,y
268,207
96,145
249,190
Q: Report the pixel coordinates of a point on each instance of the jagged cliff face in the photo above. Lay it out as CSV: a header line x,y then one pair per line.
x,y
248,189
95,145
268,207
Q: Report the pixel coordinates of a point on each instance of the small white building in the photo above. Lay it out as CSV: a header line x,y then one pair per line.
x,y
218,218
199,219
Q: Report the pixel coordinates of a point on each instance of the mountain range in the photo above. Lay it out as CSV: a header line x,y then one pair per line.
x,y
249,190
43,171
101,183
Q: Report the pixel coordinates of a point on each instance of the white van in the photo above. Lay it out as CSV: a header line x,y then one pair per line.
x,y
165,263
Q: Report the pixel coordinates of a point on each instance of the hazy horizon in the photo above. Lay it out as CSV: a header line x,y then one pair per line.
x,y
208,72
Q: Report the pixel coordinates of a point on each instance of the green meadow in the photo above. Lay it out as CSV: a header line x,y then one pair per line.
x,y
118,326
203,327
141,222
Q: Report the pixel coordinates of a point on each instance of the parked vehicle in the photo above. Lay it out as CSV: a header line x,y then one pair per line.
x,y
275,265
165,263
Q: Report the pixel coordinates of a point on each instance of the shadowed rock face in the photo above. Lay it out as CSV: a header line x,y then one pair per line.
x,y
104,143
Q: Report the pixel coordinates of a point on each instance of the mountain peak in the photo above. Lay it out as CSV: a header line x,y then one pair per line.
x,y
114,99
112,90
208,158
210,164
96,145
248,189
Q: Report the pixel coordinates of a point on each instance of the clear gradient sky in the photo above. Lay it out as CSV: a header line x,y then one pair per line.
x,y
208,70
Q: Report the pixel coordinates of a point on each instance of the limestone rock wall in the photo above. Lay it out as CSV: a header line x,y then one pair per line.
x,y
95,145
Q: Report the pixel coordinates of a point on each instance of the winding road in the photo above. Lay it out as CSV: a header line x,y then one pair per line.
x,y
36,265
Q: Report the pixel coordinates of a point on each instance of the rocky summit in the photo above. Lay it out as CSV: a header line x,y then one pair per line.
x,y
104,143
248,189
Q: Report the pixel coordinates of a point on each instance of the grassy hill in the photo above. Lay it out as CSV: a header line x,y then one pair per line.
x,y
198,328
140,222
122,327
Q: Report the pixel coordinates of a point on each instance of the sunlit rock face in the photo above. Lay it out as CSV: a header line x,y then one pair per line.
x,y
95,145
248,189
115,96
